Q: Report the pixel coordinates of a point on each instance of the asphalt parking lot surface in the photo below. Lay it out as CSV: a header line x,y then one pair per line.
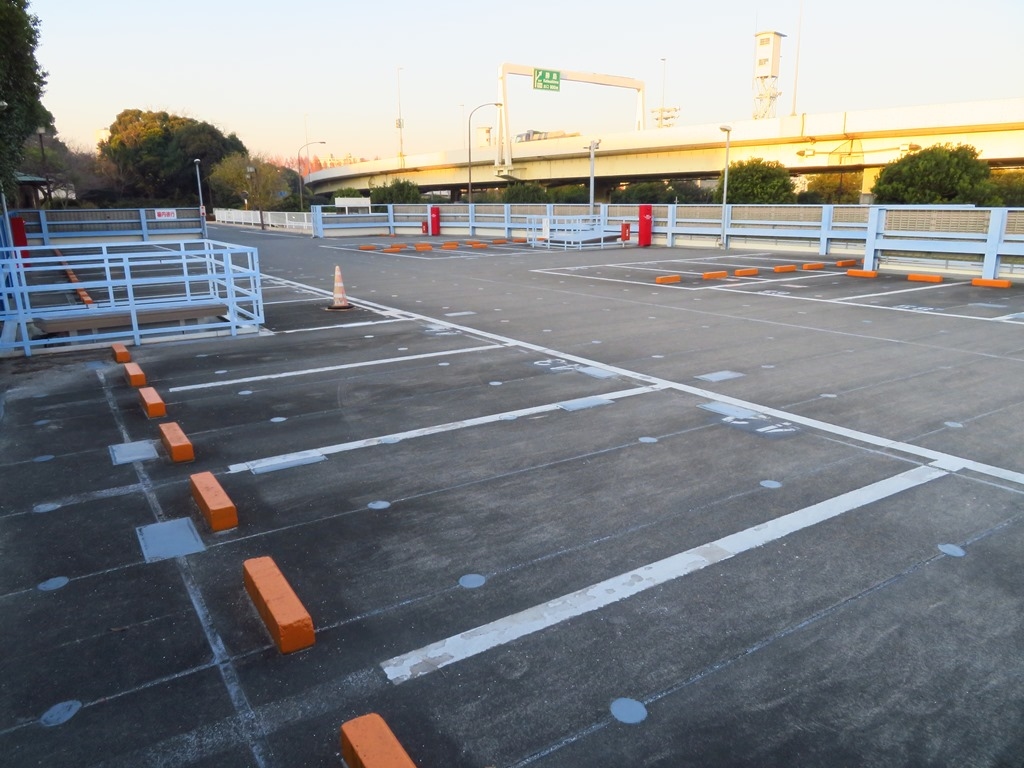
x,y
542,511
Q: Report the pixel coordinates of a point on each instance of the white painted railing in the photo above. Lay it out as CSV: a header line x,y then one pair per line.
x,y
82,295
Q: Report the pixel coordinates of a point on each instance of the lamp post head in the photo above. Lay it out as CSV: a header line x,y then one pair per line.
x,y
196,161
3,106
725,128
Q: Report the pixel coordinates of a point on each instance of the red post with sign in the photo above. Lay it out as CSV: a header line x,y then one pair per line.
x,y
624,237
435,220
18,235
643,236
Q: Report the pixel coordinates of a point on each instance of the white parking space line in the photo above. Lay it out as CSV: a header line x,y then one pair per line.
x,y
931,287
345,325
329,368
442,653
939,459
296,458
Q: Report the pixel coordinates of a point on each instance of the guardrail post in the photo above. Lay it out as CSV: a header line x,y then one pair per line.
x,y
876,222
670,225
827,212
143,226
508,220
44,227
994,239
391,219
318,221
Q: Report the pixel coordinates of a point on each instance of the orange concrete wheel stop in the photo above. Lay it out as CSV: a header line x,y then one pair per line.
x,y
715,275
785,268
848,262
340,298
813,265
924,278
749,272
368,742
982,282
287,620
152,404
134,375
218,510
368,247
449,246
178,446
861,273
664,279
499,242
121,353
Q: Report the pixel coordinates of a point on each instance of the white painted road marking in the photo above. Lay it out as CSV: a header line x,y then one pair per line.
x,y
480,639
297,458
327,369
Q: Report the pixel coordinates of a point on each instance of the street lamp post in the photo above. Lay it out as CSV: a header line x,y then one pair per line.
x,y
592,147
727,130
400,123
252,172
298,164
202,208
469,146
6,238
40,132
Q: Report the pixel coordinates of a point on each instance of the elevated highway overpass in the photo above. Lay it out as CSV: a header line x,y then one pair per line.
x,y
806,144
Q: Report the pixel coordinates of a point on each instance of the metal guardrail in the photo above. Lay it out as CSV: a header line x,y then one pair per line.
x,y
51,298
51,227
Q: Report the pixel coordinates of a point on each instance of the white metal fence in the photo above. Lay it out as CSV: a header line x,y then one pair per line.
x,y
80,295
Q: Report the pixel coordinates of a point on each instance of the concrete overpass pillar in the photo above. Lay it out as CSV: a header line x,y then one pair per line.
x,y
870,177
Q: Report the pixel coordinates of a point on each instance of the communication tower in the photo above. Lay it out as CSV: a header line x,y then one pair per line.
x,y
767,55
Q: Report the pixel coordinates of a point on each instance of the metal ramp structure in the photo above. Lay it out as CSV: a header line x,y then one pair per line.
x,y
571,232
56,298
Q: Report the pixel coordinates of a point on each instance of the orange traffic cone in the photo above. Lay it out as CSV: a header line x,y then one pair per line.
x,y
340,299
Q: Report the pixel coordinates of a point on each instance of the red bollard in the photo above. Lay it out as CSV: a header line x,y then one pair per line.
x,y
643,238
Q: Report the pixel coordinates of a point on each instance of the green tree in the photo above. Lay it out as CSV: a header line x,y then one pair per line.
x,y
687,192
150,155
569,194
939,174
758,181
526,192
653,192
21,87
837,188
262,185
1010,187
395,191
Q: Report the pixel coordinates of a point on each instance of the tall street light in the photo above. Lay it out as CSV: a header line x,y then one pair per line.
x,y
469,146
298,164
202,208
400,123
6,238
40,132
252,173
592,147
727,130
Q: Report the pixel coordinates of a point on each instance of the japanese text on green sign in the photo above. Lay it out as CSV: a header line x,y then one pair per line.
x,y
547,80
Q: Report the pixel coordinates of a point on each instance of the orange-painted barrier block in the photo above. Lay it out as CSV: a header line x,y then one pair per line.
x,y
715,275
152,404
749,272
287,620
213,502
121,353
134,375
861,273
177,445
367,742
479,245
518,239
368,247
785,268
424,247
982,282
662,279
499,241
449,246
813,265
390,249
925,278
848,262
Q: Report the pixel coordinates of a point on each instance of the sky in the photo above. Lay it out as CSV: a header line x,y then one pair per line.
x,y
280,75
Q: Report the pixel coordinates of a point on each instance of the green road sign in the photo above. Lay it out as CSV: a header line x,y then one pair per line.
x,y
547,80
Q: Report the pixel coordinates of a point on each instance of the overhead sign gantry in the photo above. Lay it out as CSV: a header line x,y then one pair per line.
x,y
550,80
